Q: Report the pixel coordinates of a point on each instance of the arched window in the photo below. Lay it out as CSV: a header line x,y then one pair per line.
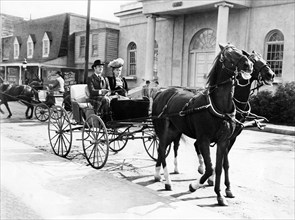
x,y
30,47
156,53
204,40
131,59
201,56
16,47
275,51
46,44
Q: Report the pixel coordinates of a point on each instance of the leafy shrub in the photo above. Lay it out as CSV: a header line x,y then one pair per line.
x,y
261,104
278,108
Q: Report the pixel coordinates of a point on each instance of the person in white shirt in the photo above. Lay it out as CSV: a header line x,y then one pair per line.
x,y
60,83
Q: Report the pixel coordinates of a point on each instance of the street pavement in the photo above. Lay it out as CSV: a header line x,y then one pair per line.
x,y
38,185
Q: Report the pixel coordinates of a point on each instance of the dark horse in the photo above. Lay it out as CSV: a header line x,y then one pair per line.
x,y
22,93
263,74
207,117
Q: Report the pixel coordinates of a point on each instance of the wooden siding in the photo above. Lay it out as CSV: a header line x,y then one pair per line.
x,y
112,45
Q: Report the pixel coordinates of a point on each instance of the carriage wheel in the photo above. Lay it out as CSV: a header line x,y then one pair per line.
x,y
151,143
56,112
117,139
59,131
95,141
42,112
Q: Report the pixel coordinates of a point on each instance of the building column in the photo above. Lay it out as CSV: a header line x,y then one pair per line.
x,y
20,75
222,24
5,74
39,72
150,41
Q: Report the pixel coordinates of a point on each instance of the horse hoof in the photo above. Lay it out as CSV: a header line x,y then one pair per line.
x,y
229,194
168,187
157,179
222,201
191,189
210,182
9,116
201,170
176,172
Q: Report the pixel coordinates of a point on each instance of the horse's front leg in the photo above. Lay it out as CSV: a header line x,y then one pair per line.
x,y
8,109
220,155
32,110
228,191
29,108
201,167
27,112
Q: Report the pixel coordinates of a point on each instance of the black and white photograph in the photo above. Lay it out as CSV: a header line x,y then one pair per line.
x,y
147,109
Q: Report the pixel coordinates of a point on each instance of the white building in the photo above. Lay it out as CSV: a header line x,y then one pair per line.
x,y
176,40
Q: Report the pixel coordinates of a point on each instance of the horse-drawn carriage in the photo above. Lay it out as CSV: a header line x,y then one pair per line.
x,y
130,119
209,116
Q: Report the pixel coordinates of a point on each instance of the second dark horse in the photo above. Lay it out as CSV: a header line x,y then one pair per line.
x,y
22,93
207,119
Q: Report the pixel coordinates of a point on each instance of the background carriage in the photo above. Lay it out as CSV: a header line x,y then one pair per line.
x,y
47,100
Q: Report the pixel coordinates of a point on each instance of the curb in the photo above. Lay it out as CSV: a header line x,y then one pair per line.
x,y
274,130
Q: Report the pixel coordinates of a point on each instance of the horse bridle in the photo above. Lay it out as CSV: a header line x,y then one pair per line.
x,y
259,78
235,72
260,83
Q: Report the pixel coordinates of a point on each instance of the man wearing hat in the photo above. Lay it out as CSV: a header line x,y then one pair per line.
x,y
99,89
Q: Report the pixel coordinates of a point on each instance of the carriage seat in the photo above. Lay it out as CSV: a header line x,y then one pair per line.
x,y
80,95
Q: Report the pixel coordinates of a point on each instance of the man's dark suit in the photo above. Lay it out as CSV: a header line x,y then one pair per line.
x,y
98,86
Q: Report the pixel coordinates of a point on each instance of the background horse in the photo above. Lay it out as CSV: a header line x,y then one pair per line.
x,y
207,117
263,75
22,93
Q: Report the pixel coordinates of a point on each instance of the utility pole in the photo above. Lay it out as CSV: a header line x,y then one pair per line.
x,y
87,43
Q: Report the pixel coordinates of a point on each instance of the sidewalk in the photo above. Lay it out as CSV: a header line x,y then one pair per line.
x,y
55,188
277,129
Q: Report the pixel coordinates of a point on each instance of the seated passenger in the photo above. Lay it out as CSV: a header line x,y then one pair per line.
x,y
99,89
118,83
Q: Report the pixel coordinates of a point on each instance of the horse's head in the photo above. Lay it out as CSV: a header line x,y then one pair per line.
x,y
262,71
235,61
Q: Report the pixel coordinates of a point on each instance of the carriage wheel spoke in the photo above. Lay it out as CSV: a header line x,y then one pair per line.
x,y
95,141
60,139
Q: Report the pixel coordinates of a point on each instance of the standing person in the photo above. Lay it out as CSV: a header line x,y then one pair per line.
x,y
59,83
145,92
155,89
99,89
118,83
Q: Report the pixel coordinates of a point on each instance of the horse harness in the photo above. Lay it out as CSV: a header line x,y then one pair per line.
x,y
185,111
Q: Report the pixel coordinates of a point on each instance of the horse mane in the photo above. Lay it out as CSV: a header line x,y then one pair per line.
x,y
211,79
